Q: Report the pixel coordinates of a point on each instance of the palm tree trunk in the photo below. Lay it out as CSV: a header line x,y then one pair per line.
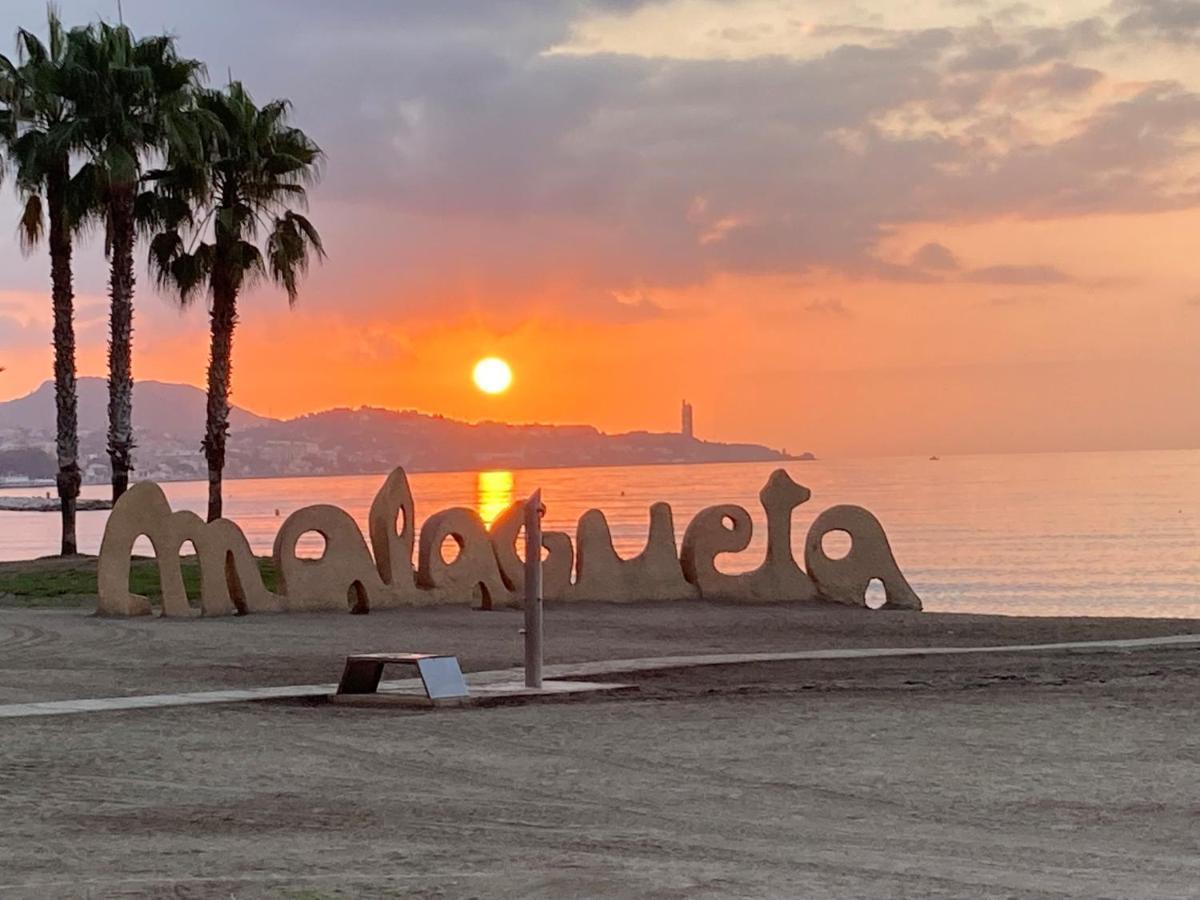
x,y
65,393
222,320
120,342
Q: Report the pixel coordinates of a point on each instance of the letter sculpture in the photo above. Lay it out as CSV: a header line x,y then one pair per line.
x,y
487,568
473,572
654,574
779,577
229,576
344,574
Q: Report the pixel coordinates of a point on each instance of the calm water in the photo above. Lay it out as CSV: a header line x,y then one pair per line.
x,y
1039,534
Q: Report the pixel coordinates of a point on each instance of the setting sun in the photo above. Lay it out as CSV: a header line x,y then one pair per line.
x,y
492,375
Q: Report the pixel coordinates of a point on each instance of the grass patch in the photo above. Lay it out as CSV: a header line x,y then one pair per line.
x,y
69,582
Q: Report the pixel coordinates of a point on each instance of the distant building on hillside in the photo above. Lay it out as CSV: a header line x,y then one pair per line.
x,y
687,428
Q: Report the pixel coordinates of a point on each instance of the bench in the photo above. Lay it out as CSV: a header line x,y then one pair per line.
x,y
440,674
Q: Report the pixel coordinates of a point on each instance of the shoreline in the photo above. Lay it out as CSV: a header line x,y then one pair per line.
x,y
476,469
51,504
918,457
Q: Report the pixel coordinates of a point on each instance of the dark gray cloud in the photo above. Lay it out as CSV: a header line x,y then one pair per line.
x,y
1058,79
1177,21
988,57
1010,274
935,256
1047,43
460,151
1121,159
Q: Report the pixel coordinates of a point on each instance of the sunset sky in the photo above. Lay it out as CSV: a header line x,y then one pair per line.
x,y
935,226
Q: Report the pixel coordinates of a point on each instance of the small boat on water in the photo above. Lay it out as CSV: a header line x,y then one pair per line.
x,y
934,458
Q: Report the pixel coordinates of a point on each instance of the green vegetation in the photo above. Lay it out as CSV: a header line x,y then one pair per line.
x,y
70,582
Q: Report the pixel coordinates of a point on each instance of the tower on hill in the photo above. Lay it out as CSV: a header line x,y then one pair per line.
x,y
686,427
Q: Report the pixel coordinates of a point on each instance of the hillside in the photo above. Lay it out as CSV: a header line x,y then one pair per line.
x,y
373,440
169,422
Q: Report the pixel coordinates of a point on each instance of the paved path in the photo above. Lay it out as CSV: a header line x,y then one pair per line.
x,y
584,670
50,656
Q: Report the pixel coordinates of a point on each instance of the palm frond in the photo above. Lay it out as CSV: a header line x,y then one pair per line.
x,y
33,223
242,171
165,248
177,271
288,248
30,49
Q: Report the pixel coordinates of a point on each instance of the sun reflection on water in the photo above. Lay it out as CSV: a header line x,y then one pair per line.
x,y
493,494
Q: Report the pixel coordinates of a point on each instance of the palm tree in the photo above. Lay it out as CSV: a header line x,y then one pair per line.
x,y
248,183
132,98
39,130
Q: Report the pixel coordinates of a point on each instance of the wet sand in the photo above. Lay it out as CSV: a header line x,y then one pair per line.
x,y
1045,775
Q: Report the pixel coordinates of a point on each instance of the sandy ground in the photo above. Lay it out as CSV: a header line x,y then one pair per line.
x,y
65,654
1053,775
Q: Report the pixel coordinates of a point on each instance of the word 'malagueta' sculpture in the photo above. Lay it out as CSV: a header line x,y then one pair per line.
x,y
487,569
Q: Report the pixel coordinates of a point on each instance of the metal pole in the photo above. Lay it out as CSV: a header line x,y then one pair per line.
x,y
533,590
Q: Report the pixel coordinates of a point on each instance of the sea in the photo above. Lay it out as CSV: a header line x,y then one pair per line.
x,y
1046,534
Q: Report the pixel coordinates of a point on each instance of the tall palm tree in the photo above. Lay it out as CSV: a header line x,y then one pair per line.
x,y
248,184
39,130
132,98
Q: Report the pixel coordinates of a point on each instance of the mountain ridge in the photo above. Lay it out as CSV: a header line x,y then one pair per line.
x,y
173,407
